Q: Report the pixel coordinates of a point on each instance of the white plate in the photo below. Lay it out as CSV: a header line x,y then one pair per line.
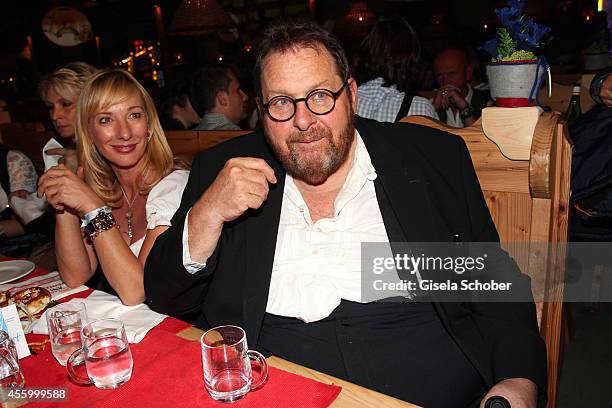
x,y
13,270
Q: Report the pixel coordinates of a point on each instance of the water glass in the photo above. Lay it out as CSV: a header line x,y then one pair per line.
x,y
11,376
65,322
106,354
226,361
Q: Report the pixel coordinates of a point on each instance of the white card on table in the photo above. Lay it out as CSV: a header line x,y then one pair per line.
x,y
10,323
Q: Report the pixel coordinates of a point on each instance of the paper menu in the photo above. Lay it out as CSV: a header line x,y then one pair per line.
x,y
10,323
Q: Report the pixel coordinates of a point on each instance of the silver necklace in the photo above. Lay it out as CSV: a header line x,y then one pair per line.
x,y
128,215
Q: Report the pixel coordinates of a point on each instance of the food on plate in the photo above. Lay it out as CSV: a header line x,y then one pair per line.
x,y
30,302
3,299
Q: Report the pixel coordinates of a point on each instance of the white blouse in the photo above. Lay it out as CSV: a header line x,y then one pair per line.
x,y
22,176
162,202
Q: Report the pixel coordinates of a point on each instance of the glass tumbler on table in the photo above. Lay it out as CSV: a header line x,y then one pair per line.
x,y
106,353
64,323
11,376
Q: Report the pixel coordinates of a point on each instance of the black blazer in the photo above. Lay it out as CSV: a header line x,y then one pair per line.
x,y
433,193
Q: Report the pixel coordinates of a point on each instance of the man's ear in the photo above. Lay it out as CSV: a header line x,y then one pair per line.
x,y
469,71
222,98
352,85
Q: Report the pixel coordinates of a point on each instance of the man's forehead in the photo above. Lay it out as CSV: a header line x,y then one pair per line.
x,y
300,67
450,60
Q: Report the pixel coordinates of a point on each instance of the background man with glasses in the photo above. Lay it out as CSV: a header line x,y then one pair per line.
x,y
269,233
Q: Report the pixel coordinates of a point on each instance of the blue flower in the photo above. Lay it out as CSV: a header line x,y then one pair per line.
x,y
519,5
490,46
525,32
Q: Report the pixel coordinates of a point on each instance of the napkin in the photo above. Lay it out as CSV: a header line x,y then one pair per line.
x,y
51,159
138,320
29,208
175,380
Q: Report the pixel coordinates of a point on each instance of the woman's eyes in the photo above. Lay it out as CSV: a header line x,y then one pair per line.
x,y
132,116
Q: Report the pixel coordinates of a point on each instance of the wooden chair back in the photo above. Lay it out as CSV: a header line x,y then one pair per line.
x,y
525,178
186,143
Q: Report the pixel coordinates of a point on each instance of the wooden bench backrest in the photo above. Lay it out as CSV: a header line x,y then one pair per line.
x,y
528,200
186,143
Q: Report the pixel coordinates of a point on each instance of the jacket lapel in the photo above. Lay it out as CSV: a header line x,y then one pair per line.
x,y
403,181
260,233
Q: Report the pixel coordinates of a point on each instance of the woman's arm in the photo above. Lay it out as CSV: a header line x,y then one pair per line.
x,y
76,259
71,198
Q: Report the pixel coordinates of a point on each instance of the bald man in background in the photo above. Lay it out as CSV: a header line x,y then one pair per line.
x,y
456,102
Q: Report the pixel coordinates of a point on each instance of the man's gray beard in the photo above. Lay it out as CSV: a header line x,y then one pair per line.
x,y
315,172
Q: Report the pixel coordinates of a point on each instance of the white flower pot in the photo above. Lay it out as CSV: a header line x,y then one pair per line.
x,y
511,82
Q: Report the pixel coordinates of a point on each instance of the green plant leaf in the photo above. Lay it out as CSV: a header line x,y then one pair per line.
x,y
505,44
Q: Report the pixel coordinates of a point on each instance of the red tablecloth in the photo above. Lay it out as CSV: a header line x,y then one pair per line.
x,y
168,373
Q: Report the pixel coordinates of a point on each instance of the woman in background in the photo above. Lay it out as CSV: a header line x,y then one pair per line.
x,y
60,90
123,195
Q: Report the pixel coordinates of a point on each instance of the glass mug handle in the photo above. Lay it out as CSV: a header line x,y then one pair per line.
x,y
254,355
75,360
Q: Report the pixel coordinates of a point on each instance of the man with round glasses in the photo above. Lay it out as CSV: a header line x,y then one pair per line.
x,y
269,233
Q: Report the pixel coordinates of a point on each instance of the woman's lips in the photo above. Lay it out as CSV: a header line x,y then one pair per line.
x,y
124,148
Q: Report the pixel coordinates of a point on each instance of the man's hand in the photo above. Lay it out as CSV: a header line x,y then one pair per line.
x,y
240,185
448,96
520,392
605,93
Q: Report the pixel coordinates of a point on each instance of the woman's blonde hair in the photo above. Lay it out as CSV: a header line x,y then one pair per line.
x,y
67,81
104,89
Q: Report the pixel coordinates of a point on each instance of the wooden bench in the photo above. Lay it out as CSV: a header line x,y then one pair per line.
x,y
524,173
186,143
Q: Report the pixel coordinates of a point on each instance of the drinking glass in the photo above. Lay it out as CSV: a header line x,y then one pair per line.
x,y
65,322
226,361
11,376
106,353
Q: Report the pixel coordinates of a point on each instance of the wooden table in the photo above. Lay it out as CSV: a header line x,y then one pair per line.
x,y
351,395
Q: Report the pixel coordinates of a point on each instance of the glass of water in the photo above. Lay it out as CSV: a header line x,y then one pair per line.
x,y
65,322
106,354
226,360
11,376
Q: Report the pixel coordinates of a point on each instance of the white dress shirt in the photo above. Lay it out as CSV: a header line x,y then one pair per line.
x,y
318,264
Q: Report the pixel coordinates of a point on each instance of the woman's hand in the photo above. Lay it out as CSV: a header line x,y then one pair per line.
x,y
68,157
67,190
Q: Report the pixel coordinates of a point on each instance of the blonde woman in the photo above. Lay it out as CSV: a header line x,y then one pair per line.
x,y
60,90
123,195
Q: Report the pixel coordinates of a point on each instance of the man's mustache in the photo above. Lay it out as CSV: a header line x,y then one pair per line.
x,y
308,136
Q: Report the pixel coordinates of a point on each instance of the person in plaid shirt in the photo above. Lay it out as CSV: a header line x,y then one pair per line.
x,y
389,75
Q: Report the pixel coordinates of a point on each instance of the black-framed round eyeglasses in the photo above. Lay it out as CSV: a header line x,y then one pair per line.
x,y
319,101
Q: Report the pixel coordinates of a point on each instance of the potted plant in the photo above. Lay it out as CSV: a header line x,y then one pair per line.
x,y
515,72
